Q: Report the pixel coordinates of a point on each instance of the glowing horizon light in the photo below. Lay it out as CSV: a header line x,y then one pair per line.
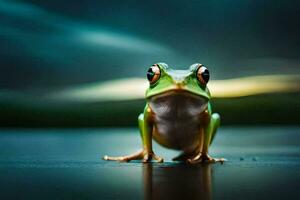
x,y
254,85
134,88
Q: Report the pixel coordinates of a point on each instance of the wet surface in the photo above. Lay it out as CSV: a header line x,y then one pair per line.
x,y
263,163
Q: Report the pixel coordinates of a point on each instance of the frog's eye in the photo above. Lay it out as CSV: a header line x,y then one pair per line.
x,y
153,74
202,75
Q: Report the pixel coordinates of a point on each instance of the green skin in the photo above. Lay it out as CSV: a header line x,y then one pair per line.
x,y
175,81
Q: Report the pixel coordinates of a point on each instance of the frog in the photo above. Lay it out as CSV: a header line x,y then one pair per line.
x,y
177,115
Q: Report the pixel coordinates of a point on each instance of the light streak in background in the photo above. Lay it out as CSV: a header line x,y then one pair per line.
x,y
121,41
134,88
71,32
255,85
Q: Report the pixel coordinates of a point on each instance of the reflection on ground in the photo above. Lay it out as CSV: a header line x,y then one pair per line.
x,y
177,182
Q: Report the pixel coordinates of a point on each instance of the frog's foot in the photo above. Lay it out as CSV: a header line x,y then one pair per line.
x,y
197,158
205,158
136,156
148,157
140,155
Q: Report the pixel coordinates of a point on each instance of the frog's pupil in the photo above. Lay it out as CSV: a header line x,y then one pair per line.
x,y
150,74
205,75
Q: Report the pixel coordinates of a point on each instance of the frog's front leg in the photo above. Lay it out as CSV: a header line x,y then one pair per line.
x,y
206,138
146,154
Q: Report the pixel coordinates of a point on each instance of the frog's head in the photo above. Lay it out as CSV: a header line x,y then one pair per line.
x,y
163,79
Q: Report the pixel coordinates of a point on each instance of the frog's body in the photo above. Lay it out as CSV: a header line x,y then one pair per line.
x,y
171,111
177,114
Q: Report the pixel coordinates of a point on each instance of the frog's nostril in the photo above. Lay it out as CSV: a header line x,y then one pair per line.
x,y
178,79
179,83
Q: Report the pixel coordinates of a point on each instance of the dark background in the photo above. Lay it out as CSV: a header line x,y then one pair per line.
x,y
50,44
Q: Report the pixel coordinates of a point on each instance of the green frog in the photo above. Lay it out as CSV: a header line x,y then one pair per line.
x,y
177,115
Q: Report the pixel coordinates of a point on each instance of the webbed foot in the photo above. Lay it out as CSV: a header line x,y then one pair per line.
x,y
205,158
141,155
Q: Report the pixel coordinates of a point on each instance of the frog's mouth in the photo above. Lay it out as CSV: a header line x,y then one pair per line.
x,y
178,93
179,102
179,88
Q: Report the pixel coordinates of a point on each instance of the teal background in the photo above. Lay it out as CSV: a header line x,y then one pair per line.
x,y
51,44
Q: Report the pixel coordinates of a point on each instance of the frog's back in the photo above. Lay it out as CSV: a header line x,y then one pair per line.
x,y
177,119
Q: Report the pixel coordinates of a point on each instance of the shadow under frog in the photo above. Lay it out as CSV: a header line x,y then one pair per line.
x,y
177,181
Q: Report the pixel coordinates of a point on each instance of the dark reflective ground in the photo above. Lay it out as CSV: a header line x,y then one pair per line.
x,y
264,163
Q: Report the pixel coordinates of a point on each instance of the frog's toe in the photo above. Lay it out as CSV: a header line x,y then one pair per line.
x,y
158,158
148,157
195,159
136,156
206,158
221,160
140,155
119,158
